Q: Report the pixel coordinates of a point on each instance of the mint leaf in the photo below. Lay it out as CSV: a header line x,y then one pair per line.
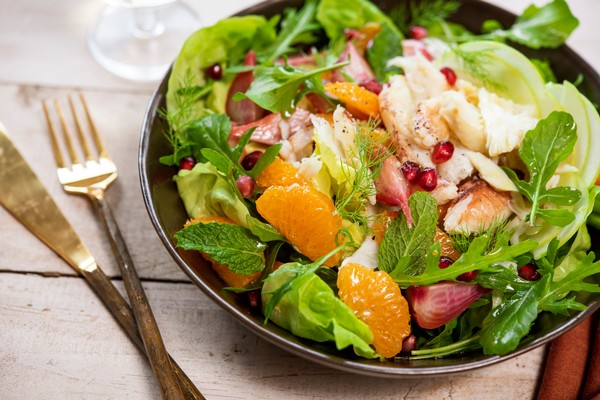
x,y
542,150
406,247
508,323
227,244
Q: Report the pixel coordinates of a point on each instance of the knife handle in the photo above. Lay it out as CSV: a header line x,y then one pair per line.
x,y
111,297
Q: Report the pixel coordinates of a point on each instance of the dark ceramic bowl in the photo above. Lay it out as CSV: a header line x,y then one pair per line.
x,y
168,216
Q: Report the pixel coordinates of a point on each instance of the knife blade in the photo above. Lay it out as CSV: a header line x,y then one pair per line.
x,y
26,198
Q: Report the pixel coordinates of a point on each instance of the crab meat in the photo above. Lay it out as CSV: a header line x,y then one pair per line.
x,y
424,79
430,128
464,119
477,207
457,168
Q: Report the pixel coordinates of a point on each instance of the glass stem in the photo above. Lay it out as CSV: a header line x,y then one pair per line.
x,y
147,24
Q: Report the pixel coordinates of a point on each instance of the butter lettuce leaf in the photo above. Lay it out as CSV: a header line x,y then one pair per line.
x,y
309,308
205,192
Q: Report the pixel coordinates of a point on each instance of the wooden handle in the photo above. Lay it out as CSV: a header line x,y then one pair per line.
x,y
148,329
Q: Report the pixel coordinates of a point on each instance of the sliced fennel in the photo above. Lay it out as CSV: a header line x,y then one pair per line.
x,y
586,156
502,70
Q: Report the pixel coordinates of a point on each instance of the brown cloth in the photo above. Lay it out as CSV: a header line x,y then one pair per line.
x,y
572,369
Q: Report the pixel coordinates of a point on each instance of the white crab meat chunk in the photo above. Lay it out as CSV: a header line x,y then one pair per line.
x,y
424,79
477,207
366,254
506,122
429,126
464,120
444,191
396,106
458,167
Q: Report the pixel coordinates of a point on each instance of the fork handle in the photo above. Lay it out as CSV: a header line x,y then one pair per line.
x,y
148,328
116,304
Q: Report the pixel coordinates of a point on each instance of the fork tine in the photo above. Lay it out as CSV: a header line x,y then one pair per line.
x,y
60,163
102,153
66,133
82,140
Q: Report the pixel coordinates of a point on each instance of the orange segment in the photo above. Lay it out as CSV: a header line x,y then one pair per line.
x,y
230,278
359,101
279,173
305,216
376,300
381,224
446,247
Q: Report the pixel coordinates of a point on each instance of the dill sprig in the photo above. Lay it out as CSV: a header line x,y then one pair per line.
x,y
494,232
371,151
476,64
422,13
180,116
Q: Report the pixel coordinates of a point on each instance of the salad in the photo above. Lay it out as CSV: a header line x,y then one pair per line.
x,y
388,181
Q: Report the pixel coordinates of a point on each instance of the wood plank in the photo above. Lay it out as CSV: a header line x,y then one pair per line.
x,y
118,117
59,342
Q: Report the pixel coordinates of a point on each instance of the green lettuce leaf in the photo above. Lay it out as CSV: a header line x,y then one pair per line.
x,y
205,192
226,42
309,308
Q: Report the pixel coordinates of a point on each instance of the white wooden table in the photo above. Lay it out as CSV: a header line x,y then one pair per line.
x,y
57,341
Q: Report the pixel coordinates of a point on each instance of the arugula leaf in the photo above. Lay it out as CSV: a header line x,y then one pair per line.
x,y
542,150
276,88
553,298
404,249
547,26
477,257
227,244
297,26
502,279
508,323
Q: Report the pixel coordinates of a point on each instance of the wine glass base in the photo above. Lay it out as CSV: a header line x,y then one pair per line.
x,y
141,43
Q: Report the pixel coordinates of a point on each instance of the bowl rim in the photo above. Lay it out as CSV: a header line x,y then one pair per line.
x,y
305,351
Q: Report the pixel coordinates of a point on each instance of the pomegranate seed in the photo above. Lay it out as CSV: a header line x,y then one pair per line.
x,y
427,54
427,179
445,262
351,33
442,152
187,163
449,74
409,344
372,85
411,171
246,186
214,72
467,276
253,299
418,32
529,272
250,160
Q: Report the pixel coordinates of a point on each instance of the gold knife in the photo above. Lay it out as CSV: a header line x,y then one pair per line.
x,y
24,196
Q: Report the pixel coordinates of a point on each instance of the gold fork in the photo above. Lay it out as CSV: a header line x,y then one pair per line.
x,y
91,179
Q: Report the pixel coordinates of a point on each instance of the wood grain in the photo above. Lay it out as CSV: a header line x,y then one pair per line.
x,y
56,339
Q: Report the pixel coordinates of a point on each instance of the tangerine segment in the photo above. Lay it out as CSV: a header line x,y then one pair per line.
x,y
376,300
305,216
232,279
446,247
359,101
279,173
381,224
